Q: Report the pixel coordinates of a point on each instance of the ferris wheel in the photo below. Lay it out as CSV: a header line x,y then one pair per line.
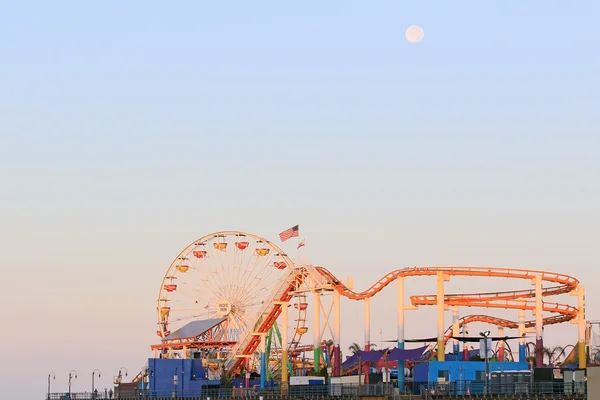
x,y
226,278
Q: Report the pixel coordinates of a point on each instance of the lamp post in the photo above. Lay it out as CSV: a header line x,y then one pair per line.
x,y
485,349
119,377
51,374
358,354
176,380
150,378
72,374
93,375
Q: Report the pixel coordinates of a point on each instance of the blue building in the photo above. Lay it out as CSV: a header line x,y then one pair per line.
x,y
188,378
460,376
167,376
453,371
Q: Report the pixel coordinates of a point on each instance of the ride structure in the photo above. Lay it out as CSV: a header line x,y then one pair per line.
x,y
228,296
215,292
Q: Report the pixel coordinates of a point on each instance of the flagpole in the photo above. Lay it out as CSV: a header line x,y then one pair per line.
x,y
298,247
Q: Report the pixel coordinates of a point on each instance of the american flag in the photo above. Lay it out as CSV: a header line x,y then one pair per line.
x,y
289,233
302,243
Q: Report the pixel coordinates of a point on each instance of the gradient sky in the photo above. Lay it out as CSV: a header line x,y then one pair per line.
x,y
129,130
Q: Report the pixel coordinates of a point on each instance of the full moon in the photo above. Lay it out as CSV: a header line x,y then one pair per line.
x,y
414,34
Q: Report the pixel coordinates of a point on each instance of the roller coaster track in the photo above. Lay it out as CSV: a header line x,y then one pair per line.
x,y
251,339
520,299
501,322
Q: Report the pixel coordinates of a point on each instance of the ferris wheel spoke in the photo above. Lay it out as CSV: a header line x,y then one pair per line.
x,y
266,270
194,275
193,298
190,317
245,254
260,286
230,267
242,265
219,288
181,309
212,279
204,269
208,286
244,323
187,290
252,261
187,305
234,277
221,271
211,285
240,322
255,298
216,271
225,267
189,282
263,284
258,265
181,292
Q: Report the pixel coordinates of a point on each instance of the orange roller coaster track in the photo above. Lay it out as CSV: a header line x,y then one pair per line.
x,y
521,299
561,284
501,322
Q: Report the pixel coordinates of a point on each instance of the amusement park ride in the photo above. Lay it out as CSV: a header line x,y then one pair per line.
x,y
227,297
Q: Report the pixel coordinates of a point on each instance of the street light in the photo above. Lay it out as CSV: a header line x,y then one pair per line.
x,y
176,379
119,377
72,374
99,376
485,349
51,374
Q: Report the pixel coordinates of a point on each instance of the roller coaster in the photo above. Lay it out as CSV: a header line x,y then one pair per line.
x,y
248,285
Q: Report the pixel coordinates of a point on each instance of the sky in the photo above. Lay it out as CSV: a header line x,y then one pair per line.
x,y
127,131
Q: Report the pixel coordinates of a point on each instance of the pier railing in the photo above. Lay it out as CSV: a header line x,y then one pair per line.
x,y
422,391
524,390
308,392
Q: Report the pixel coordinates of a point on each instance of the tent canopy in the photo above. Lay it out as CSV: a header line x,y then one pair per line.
x,y
376,355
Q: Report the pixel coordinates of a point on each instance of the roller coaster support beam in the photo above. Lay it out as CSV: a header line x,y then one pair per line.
x,y
539,322
441,343
522,349
455,329
246,363
247,386
336,333
285,360
580,321
400,332
317,331
401,309
501,344
366,368
263,359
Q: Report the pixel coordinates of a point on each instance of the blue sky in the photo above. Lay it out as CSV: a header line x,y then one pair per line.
x,y
129,130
